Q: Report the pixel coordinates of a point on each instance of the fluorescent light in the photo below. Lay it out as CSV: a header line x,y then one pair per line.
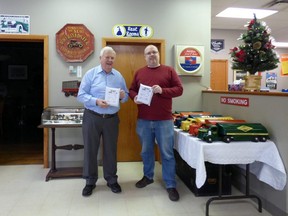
x,y
280,44
245,13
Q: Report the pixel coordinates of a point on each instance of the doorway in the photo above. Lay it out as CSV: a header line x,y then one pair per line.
x,y
22,77
129,58
219,75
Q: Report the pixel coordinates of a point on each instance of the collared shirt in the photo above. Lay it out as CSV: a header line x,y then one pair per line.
x,y
93,87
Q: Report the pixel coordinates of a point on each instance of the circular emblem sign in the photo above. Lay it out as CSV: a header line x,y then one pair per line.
x,y
74,42
190,60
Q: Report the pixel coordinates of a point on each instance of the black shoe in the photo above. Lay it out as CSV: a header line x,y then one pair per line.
x,y
173,194
144,182
115,188
87,190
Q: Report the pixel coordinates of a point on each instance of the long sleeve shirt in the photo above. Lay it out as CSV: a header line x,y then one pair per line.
x,y
161,104
93,86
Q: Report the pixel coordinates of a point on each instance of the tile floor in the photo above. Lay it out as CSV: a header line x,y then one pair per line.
x,y
24,192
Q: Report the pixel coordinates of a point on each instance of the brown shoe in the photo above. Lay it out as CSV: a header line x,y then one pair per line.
x,y
173,194
144,182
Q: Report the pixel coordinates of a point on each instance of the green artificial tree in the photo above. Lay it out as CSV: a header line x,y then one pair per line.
x,y
257,53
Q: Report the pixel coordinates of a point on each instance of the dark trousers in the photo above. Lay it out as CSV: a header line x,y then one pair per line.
x,y
93,128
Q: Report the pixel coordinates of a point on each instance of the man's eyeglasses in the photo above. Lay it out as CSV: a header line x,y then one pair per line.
x,y
152,52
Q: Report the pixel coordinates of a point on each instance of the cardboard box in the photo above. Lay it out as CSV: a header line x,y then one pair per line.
x,y
210,188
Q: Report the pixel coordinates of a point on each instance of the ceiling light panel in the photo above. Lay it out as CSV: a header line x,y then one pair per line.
x,y
245,13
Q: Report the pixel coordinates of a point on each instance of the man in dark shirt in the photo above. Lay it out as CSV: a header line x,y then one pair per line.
x,y
154,121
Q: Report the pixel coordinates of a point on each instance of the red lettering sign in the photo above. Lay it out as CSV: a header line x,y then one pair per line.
x,y
74,42
235,101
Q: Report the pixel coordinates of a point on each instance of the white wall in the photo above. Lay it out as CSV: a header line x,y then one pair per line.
x,y
230,39
178,22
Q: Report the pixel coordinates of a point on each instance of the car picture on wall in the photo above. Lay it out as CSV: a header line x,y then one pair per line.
x,y
14,24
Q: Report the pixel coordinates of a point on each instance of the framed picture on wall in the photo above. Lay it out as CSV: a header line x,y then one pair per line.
x,y
239,75
14,24
17,72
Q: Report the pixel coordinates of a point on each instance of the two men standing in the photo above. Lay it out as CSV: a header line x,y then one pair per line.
x,y
154,121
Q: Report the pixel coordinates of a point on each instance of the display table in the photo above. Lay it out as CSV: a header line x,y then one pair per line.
x,y
65,171
259,158
62,117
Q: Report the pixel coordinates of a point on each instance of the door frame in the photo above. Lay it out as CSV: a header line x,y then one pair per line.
x,y
159,43
45,40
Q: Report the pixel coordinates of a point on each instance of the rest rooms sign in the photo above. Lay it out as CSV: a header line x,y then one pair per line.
x,y
235,101
132,31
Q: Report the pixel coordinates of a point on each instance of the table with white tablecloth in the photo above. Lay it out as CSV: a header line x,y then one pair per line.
x,y
263,158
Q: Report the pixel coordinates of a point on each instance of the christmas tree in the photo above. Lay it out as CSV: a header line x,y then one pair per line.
x,y
257,53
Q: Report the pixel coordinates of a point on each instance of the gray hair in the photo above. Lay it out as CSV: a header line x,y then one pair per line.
x,y
106,49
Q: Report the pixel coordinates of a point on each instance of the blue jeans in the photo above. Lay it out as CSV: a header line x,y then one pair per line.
x,y
163,133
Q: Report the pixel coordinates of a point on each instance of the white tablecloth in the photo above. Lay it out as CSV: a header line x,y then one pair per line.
x,y
264,157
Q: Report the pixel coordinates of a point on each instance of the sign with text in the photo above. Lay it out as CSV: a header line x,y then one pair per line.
x,y
14,24
271,80
189,60
235,101
74,42
132,31
217,45
284,64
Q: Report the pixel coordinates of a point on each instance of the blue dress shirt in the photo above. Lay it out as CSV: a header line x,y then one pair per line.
x,y
93,87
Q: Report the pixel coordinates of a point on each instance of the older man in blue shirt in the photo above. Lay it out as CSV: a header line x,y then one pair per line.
x,y
101,120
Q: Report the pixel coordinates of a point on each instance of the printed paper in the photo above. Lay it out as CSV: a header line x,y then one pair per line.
x,y
112,96
145,94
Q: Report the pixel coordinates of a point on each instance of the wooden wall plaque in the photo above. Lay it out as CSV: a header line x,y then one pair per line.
x,y
74,42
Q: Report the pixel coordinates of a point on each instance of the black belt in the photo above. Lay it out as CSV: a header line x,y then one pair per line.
x,y
101,115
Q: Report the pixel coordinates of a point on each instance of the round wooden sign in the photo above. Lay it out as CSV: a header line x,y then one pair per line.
x,y
74,42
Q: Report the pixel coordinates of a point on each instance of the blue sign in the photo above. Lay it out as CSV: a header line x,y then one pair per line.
x,y
217,45
138,31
